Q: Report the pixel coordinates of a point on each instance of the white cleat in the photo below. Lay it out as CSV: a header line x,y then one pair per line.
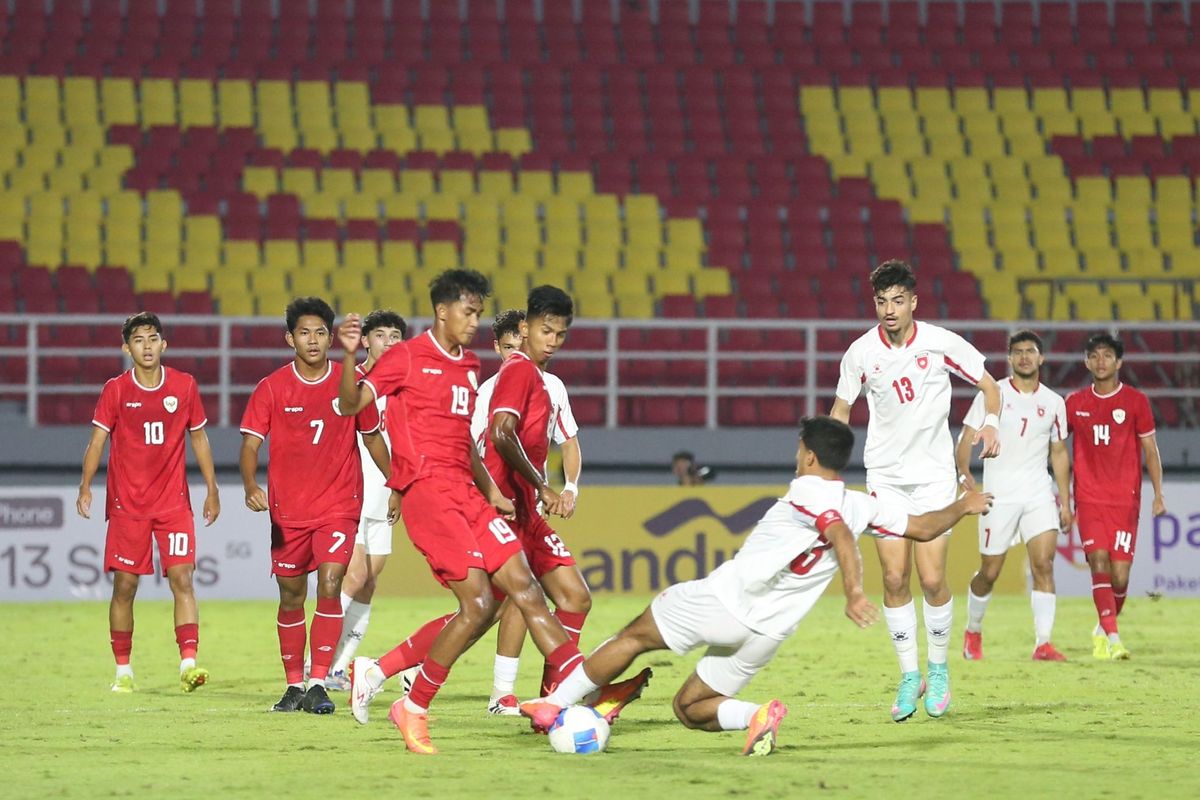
x,y
506,706
407,677
362,690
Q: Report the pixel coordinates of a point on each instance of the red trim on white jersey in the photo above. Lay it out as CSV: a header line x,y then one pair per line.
x,y
954,366
883,336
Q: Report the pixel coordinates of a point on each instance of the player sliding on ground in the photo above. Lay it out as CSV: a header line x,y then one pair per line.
x,y
450,504
904,368
1034,424
747,607
149,411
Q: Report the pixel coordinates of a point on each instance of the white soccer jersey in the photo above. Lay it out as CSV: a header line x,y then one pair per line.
x,y
375,492
908,394
1028,424
787,549
561,427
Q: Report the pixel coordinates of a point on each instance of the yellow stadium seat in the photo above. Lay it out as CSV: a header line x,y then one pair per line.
x,y
894,98
672,281
43,100
196,103
158,102
164,204
319,255
1102,263
475,142
377,183
441,207
283,137
946,146
1027,146
313,107
1175,234
351,98
712,281
1018,123
481,256
1098,123
855,100
308,282
272,303
64,181
389,118
281,255
431,118
358,301
235,104
360,255
1089,101
457,183
1146,262
817,99
1056,190
320,139
437,141
1176,123
603,257
1133,191
299,181
362,138
242,255
117,101
10,100
514,141
401,207
1019,262
260,181
988,146
1163,101
1126,101
1093,190
80,102
538,184
576,185
273,97
400,256
400,140
495,184
1049,101
635,306
1141,124
361,207
417,183
1006,101
438,256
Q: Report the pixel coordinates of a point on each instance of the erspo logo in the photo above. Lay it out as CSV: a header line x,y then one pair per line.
x,y
30,513
679,548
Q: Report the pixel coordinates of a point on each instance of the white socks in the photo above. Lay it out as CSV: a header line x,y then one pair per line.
x,y
316,682
902,624
186,664
504,675
124,670
1043,604
735,715
976,608
938,621
356,617
573,688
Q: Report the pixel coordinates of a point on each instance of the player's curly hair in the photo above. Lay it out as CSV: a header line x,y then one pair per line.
x,y
1025,335
142,319
455,283
506,322
384,318
831,440
549,301
893,272
1098,340
308,307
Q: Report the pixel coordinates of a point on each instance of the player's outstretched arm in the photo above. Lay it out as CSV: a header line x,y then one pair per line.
x,y
858,608
1060,464
353,396
379,453
989,432
91,463
483,480
503,435
1155,470
203,451
929,526
572,458
962,457
256,498
840,410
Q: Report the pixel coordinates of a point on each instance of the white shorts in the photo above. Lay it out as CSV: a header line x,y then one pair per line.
x,y
918,498
375,536
688,615
1009,523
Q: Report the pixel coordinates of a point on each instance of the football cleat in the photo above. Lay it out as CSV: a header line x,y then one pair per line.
x,y
616,696
193,678
1099,644
316,701
1118,651
506,706
937,696
337,681
362,691
907,694
291,700
1047,652
407,676
764,728
413,727
123,684
540,713
973,646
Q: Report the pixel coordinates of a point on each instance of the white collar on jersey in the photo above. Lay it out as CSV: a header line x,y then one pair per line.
x,y
441,349
1120,386
161,380
302,379
887,343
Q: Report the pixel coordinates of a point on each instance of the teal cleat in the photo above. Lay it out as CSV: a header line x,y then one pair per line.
x,y
937,699
911,688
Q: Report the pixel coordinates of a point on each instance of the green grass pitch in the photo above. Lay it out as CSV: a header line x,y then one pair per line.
x,y
1017,728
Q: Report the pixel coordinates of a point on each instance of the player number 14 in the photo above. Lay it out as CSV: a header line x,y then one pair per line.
x,y
1100,435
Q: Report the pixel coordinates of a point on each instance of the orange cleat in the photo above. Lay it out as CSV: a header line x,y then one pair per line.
x,y
1047,652
614,697
764,727
413,727
541,714
973,646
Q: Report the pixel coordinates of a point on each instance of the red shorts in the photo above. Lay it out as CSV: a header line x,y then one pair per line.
x,y
543,547
1111,529
456,529
300,550
127,546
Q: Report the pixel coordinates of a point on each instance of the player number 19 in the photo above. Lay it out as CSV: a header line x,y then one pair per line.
x,y
460,400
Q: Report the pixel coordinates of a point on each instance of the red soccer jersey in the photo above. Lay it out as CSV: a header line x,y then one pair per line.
x,y
147,476
313,469
431,398
520,390
1106,446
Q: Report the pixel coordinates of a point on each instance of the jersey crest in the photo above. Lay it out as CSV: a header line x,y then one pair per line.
x,y
1118,415
1041,411
171,403
923,361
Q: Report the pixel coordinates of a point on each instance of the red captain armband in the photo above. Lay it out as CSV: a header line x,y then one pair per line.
x,y
830,517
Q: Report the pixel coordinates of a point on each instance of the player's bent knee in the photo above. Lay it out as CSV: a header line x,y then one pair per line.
x,y
477,612
681,714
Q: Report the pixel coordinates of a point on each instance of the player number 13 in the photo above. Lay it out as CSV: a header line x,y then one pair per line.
x,y
904,390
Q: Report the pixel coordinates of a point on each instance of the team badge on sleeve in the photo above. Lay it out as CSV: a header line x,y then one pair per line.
x,y
170,403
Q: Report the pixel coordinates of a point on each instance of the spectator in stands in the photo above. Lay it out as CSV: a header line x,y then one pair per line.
x,y
683,464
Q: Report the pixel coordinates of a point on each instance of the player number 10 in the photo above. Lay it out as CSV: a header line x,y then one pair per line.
x,y
154,432
177,544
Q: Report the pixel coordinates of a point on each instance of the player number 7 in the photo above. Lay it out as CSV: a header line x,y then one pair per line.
x,y
339,540
319,424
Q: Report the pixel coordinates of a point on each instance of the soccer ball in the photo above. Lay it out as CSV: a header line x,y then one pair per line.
x,y
579,729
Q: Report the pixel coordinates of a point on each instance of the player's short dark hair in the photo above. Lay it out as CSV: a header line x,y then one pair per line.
x,y
507,322
308,307
1025,335
384,318
1098,340
893,272
829,439
549,301
142,319
455,283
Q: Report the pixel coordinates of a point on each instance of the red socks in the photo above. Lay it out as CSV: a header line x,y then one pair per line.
x,y
413,650
1119,600
1106,605
429,679
187,636
323,639
572,622
122,645
290,627
560,663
